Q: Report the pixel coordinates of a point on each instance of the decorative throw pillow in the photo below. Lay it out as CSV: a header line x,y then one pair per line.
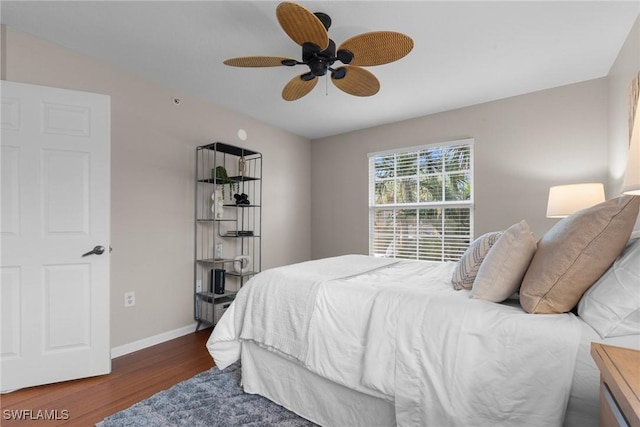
x,y
575,253
503,268
612,305
467,267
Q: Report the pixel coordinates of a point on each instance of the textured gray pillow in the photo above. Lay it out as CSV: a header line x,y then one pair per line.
x,y
575,253
503,268
467,268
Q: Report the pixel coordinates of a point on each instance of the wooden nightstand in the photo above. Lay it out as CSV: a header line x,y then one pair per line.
x,y
619,385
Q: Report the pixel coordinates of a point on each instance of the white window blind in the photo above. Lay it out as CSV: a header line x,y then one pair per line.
x,y
421,201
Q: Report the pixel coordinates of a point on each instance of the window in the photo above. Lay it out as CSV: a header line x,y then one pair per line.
x,y
421,201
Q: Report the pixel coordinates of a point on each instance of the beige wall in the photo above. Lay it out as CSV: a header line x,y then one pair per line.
x,y
523,145
153,158
624,69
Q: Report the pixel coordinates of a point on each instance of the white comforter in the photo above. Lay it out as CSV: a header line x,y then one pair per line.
x,y
397,330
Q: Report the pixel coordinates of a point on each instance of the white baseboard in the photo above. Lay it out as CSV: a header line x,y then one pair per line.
x,y
148,342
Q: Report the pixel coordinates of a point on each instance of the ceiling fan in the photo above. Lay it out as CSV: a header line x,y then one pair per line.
x,y
319,53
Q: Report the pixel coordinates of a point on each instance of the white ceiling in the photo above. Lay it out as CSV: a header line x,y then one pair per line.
x,y
464,53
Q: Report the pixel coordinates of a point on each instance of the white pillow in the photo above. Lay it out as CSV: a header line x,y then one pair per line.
x,y
612,305
467,267
502,270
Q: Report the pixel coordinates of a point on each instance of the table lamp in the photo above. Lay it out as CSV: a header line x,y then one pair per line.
x,y
567,199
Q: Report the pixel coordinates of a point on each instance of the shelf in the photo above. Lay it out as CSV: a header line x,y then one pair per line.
x,y
246,274
228,261
215,260
233,205
229,149
231,180
237,236
215,217
209,296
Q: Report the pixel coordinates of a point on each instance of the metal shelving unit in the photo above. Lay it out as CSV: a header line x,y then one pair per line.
x,y
227,234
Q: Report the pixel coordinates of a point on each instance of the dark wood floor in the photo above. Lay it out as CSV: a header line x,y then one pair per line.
x,y
133,378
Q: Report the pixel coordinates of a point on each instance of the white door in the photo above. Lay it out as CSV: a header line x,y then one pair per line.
x,y
55,196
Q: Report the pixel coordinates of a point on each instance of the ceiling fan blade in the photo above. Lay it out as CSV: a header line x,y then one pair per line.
x,y
302,25
356,81
377,48
298,87
257,61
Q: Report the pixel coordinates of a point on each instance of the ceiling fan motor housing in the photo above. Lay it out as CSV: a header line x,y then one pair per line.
x,y
317,60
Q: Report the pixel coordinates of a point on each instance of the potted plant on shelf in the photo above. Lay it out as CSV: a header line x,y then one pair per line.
x,y
221,177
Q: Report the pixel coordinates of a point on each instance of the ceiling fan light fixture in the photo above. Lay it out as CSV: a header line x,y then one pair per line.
x,y
319,53
318,68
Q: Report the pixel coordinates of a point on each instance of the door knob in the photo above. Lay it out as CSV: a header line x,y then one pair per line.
x,y
98,250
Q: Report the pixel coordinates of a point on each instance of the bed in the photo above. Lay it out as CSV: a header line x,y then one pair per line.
x,y
358,340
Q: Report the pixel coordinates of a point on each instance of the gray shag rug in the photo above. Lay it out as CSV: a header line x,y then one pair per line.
x,y
211,398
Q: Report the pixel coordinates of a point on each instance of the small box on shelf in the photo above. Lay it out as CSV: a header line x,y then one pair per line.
x,y
211,306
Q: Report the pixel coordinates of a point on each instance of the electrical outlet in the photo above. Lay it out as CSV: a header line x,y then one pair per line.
x,y
199,285
129,299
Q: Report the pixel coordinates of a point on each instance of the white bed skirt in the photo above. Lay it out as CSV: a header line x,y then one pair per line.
x,y
313,397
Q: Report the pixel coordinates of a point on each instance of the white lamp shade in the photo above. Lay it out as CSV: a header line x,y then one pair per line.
x,y
631,183
565,200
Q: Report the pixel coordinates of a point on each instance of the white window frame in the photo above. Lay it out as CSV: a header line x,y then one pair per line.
x,y
464,240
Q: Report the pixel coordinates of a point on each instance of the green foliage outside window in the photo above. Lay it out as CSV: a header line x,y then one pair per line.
x,y
421,206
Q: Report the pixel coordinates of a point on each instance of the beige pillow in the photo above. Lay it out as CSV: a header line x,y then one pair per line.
x,y
575,253
503,268
467,267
